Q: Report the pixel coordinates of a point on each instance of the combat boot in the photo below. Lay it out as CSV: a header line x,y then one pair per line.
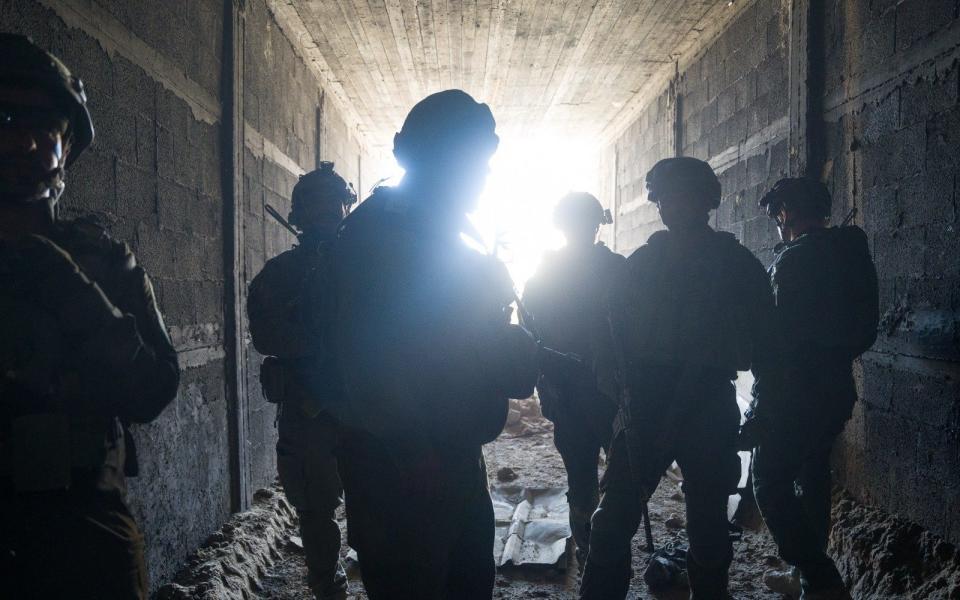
x,y
786,582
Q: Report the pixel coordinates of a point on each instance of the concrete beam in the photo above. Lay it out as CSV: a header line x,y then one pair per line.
x,y
115,38
261,147
942,48
233,256
755,145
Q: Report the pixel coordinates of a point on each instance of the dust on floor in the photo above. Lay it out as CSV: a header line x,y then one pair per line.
x,y
527,450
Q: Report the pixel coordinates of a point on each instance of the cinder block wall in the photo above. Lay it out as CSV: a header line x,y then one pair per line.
x,y
893,134
891,130
155,178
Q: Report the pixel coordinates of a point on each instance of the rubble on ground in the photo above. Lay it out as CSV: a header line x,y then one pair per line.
x,y
524,418
881,556
231,563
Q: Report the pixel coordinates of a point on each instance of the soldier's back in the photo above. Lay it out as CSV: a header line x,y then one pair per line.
x,y
692,299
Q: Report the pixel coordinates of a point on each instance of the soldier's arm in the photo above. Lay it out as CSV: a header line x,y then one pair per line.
x,y
508,353
119,367
155,372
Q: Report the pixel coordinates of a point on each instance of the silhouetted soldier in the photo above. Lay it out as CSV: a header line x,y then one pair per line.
x,y
429,359
825,288
567,300
83,352
300,373
688,314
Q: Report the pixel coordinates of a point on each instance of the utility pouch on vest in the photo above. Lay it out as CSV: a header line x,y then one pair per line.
x,y
272,377
41,452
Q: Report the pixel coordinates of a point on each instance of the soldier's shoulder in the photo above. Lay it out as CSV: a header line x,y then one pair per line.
x,y
652,248
851,237
84,237
608,255
729,242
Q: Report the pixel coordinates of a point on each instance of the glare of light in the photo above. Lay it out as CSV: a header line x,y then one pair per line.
x,y
528,174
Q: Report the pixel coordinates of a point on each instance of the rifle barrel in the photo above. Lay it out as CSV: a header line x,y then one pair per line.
x,y
279,218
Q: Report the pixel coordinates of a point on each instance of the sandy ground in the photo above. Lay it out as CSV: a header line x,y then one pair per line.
x,y
530,453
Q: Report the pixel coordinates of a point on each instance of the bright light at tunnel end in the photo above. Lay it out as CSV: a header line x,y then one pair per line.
x,y
528,174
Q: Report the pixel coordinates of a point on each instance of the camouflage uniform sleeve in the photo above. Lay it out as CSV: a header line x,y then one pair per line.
x,y
156,372
131,377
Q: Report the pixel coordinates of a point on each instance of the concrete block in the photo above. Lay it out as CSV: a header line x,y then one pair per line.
x,y
116,130
917,19
928,96
135,90
938,456
881,209
900,252
928,199
942,139
940,259
166,156
875,42
186,166
91,185
895,155
136,192
925,398
146,142
881,118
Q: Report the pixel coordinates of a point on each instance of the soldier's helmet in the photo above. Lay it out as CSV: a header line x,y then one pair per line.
x,y
444,125
683,175
578,209
25,64
803,195
320,185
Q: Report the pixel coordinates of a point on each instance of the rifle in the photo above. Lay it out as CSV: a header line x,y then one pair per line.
x,y
626,427
849,217
276,215
555,364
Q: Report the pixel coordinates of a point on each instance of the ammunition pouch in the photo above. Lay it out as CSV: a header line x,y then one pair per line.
x,y
273,379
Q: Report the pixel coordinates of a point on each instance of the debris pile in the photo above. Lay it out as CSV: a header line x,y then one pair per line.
x,y
532,526
881,556
232,561
525,418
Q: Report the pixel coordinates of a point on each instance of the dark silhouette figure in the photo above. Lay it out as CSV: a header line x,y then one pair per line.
x,y
688,312
83,353
428,359
567,300
827,311
300,371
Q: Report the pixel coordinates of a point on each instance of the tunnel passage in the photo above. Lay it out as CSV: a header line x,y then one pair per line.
x,y
207,111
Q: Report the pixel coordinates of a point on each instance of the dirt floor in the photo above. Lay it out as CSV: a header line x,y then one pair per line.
x,y
527,449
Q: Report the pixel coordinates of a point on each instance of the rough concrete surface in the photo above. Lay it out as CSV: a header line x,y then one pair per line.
x,y
885,558
232,562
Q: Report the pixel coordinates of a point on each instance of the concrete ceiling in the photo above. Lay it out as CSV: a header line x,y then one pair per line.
x,y
568,65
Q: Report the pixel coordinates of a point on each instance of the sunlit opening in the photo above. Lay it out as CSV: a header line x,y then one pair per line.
x,y
527,177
